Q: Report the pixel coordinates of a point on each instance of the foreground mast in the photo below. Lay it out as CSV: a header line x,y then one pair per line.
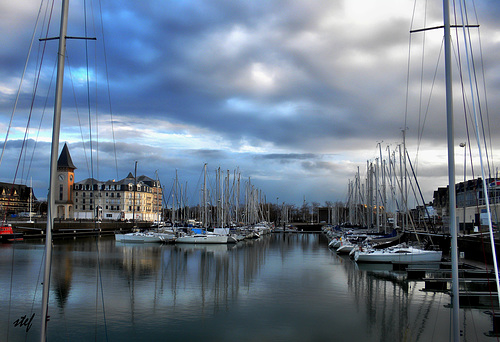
x,y
53,167
451,171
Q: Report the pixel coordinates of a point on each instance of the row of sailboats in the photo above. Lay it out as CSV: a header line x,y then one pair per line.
x,y
369,247
408,254
398,250
218,213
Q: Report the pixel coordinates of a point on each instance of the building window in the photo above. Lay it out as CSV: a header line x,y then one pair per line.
x,y
60,192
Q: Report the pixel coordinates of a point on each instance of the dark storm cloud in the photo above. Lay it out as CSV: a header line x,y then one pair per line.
x,y
277,88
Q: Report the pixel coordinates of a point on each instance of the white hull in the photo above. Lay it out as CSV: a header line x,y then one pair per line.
x,y
398,255
202,238
144,237
335,243
345,249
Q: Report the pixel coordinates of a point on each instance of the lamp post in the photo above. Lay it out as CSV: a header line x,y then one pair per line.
x,y
465,185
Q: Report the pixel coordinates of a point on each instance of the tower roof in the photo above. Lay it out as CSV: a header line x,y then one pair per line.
x,y
64,160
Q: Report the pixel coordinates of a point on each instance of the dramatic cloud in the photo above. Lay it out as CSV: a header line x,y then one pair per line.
x,y
294,94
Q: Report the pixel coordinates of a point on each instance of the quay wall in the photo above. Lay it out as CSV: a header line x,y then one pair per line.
x,y
64,228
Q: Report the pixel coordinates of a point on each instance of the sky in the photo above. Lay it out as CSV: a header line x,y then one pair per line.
x,y
294,95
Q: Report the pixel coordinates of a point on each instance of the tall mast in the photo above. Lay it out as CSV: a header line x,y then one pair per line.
x,y
205,216
53,167
451,170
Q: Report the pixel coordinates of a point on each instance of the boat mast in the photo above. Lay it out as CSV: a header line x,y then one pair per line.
x,y
205,216
451,170
53,167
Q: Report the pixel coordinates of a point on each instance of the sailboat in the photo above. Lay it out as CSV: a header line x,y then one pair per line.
x,y
399,254
203,236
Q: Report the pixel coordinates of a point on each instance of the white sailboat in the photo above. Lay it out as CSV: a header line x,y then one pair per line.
x,y
203,238
399,254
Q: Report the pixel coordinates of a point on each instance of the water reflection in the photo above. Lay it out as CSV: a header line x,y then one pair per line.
x,y
398,309
284,287
62,273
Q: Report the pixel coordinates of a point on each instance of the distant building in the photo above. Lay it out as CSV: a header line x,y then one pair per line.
x,y
65,180
470,202
109,200
14,199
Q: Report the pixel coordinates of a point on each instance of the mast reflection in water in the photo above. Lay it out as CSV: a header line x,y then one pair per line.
x,y
282,287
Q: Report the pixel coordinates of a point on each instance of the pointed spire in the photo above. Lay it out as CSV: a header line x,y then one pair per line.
x,y
64,160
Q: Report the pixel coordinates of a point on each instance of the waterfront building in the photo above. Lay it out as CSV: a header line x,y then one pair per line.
x,y
471,203
14,199
91,199
126,199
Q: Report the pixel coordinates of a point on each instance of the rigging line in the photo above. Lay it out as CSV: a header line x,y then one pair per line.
x,y
96,204
35,85
21,82
427,110
26,130
78,116
419,190
88,100
41,119
422,63
477,94
485,189
484,85
109,91
96,97
408,65
479,106
464,100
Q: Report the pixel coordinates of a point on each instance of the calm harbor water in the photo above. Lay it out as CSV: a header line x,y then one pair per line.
x,y
282,287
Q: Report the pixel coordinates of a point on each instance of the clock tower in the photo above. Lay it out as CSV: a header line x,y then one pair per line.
x,y
65,181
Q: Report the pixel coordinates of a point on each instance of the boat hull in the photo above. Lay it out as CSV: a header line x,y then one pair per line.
x,y
398,256
11,237
139,238
202,239
7,234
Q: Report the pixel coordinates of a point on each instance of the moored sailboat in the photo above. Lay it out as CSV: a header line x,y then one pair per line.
x,y
399,254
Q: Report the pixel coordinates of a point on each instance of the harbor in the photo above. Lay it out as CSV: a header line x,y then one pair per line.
x,y
280,287
195,212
